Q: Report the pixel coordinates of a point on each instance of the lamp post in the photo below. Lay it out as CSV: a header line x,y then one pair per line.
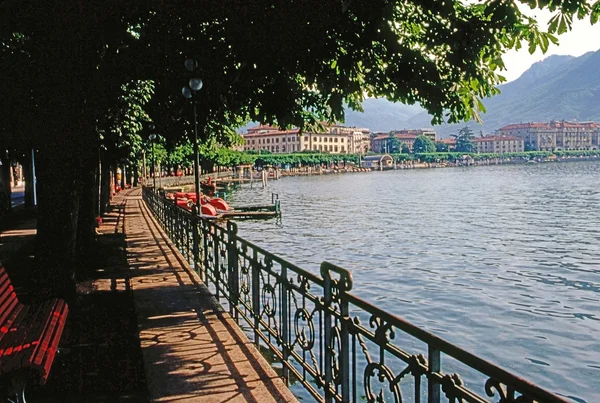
x,y
189,92
152,137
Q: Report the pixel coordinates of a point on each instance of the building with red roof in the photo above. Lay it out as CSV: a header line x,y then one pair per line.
x,y
556,135
336,139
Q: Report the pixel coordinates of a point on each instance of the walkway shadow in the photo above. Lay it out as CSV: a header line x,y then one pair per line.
x,y
102,359
193,350
187,336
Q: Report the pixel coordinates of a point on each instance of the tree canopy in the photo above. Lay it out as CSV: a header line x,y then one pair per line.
x,y
464,140
423,144
77,76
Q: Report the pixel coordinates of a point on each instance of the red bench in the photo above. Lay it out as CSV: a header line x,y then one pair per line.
x,y
29,337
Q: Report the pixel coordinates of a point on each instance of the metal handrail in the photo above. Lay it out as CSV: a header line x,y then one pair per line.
x,y
338,346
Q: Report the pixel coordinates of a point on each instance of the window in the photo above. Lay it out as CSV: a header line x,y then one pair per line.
x,y
283,140
305,138
336,140
336,149
277,140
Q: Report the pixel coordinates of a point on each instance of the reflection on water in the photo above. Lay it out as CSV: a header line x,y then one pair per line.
x,y
501,260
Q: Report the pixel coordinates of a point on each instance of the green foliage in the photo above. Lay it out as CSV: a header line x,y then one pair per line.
x,y
300,159
120,130
181,155
393,145
423,144
441,147
402,157
464,140
405,149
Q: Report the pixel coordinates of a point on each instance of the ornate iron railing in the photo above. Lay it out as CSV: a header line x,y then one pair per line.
x,y
338,346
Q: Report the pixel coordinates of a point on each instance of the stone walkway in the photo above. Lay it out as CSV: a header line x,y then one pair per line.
x,y
193,351
143,327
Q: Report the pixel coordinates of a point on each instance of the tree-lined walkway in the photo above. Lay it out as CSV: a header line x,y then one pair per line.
x,y
192,349
142,326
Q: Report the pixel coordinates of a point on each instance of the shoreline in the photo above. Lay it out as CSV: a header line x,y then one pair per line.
x,y
279,173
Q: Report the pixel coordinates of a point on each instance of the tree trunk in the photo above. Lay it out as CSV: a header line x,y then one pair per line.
x,y
136,178
115,176
123,175
106,185
130,172
29,181
87,209
5,180
58,214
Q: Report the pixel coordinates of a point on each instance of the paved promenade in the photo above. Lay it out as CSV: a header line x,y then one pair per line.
x,y
192,350
189,349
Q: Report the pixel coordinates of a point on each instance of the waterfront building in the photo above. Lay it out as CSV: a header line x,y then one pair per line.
x,y
378,162
336,139
500,144
556,135
380,141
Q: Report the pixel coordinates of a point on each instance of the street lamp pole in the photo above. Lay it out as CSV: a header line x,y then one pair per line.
x,y
196,153
195,84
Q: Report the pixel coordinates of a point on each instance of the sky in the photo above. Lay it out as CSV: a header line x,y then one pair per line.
x,y
583,38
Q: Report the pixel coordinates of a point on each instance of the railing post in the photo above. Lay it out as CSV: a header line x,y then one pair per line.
x,y
285,337
233,268
434,366
217,272
256,295
345,347
327,342
335,292
205,234
196,246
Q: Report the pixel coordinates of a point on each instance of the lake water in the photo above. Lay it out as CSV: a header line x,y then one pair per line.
x,y
503,261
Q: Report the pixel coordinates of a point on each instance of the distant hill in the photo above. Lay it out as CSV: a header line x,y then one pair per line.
x,y
559,87
381,115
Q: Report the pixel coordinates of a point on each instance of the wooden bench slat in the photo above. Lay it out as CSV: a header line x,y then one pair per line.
x,y
29,335
8,315
33,345
10,340
45,362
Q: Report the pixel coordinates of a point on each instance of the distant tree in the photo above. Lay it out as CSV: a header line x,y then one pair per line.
x,y
405,149
423,144
464,140
393,145
528,146
441,147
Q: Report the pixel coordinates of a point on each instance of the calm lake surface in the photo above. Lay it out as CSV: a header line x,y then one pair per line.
x,y
502,260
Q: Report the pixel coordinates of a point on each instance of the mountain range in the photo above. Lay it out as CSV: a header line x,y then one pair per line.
x,y
557,88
